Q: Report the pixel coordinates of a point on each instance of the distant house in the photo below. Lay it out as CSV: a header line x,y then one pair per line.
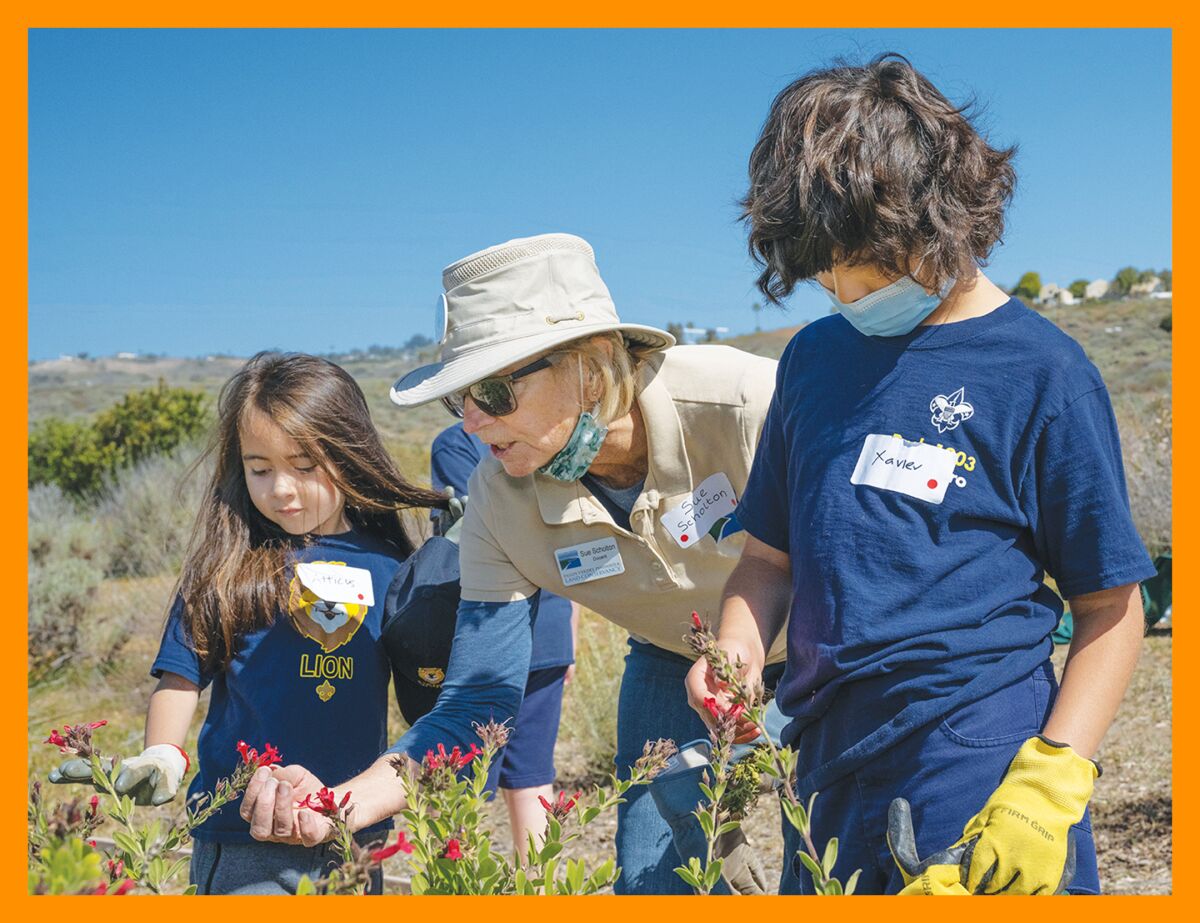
x,y
1064,296
126,355
1153,284
1163,296
1096,289
1048,293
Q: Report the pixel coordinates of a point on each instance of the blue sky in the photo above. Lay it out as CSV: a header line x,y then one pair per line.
x,y
226,191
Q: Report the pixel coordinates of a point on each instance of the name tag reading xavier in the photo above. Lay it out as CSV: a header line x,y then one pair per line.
x,y
337,583
912,468
691,520
589,561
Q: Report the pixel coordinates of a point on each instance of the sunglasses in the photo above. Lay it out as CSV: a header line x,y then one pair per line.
x,y
494,396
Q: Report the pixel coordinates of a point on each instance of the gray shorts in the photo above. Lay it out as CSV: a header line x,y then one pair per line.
x,y
262,868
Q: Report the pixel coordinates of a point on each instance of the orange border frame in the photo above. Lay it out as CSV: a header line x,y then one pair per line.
x,y
622,13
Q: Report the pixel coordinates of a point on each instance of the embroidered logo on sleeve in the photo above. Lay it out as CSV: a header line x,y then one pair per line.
x,y
949,410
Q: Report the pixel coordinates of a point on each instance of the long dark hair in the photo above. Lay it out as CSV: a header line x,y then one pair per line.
x,y
234,577
872,165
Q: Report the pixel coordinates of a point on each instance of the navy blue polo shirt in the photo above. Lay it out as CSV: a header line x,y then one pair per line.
x,y
922,486
317,675
454,455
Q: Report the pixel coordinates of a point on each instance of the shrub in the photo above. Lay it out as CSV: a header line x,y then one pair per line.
x,y
66,564
79,456
147,513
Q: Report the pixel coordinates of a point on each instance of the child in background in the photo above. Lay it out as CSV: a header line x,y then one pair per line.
x,y
281,600
527,767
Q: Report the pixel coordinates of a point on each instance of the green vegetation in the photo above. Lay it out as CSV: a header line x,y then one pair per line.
x,y
78,456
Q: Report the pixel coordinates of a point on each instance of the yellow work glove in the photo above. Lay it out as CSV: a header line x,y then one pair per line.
x,y
939,874
1022,837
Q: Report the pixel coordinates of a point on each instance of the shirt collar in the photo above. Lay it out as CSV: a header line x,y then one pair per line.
x,y
670,474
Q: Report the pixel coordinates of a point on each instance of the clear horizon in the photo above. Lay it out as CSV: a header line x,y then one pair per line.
x,y
221,191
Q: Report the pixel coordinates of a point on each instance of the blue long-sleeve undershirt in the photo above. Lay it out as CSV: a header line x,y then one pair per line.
x,y
485,678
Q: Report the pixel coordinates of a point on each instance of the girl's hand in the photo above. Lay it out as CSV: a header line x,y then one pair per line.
x,y
701,684
269,805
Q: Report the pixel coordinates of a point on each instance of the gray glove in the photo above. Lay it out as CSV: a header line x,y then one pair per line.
x,y
151,778
448,522
676,793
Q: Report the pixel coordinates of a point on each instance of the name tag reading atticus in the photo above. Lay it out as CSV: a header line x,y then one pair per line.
x,y
337,583
912,468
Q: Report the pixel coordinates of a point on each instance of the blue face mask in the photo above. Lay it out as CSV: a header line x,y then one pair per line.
x,y
573,460
893,310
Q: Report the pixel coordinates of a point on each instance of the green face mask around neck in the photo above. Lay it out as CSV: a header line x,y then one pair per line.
x,y
573,460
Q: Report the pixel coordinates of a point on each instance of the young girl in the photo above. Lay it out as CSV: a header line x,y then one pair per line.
x,y
932,450
281,601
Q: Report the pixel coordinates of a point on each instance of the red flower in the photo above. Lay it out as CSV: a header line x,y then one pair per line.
x,y
386,852
75,739
251,757
125,887
723,714
452,851
92,843
115,869
561,807
455,760
326,802
696,623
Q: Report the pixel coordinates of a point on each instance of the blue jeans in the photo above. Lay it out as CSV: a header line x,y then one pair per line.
x,y
946,770
652,704
264,868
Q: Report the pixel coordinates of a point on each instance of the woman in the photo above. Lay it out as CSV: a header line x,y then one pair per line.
x,y
966,449
616,460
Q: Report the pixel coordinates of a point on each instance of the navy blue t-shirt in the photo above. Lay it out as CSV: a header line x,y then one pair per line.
x,y
453,457
922,485
314,683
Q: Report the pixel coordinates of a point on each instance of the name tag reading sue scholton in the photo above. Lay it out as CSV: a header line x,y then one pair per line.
x,y
589,561
912,468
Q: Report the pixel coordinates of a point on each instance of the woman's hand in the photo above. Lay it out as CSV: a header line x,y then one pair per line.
x,y
270,801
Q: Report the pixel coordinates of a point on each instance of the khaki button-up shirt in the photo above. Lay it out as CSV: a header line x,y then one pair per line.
x,y
703,408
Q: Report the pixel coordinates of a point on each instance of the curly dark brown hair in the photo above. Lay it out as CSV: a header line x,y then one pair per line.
x,y
872,165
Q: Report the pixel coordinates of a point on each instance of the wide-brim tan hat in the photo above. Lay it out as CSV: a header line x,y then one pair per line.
x,y
511,302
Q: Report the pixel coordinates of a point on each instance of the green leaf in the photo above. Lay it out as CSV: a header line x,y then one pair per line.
x,y
575,875
706,822
549,851
190,890
589,814
126,843
306,886
811,864
602,876
689,878
852,881
830,858
833,886
712,874
728,826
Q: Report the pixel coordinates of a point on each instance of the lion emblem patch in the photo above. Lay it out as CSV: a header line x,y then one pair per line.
x,y
329,624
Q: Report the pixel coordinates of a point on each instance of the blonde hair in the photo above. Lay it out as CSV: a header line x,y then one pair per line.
x,y
617,373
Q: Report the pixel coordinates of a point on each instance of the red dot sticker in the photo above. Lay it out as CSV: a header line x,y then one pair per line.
x,y
683,538
360,596
932,485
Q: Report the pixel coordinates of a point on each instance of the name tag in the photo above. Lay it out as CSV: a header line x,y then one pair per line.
x,y
912,468
589,561
691,520
337,583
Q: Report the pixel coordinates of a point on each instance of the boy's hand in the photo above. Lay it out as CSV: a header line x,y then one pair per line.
x,y
1023,834
701,684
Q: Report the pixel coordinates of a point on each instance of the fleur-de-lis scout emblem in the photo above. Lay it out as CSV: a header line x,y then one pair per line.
x,y
326,690
950,410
